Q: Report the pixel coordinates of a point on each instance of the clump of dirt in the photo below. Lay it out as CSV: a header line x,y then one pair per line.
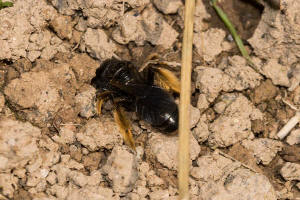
x,y
53,145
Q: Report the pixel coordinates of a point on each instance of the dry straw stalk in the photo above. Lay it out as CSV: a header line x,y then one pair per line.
x,y
185,95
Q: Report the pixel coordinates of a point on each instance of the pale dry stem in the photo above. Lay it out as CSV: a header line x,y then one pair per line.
x,y
185,95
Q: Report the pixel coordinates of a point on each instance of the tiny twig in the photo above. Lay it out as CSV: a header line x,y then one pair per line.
x,y
116,56
235,160
289,126
291,123
72,124
123,8
76,46
290,105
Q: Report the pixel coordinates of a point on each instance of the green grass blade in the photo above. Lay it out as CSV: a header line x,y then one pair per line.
x,y
232,30
5,4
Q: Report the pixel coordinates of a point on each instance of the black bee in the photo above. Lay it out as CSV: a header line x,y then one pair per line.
x,y
143,92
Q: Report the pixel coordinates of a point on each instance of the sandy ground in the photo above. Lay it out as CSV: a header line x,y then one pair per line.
x,y
54,146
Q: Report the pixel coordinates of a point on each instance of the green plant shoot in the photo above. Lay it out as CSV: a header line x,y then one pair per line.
x,y
5,4
232,30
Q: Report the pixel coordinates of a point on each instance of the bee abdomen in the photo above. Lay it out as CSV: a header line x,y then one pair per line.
x,y
171,123
158,108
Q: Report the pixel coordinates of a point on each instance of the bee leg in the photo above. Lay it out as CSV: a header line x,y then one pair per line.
x,y
101,97
166,79
124,126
